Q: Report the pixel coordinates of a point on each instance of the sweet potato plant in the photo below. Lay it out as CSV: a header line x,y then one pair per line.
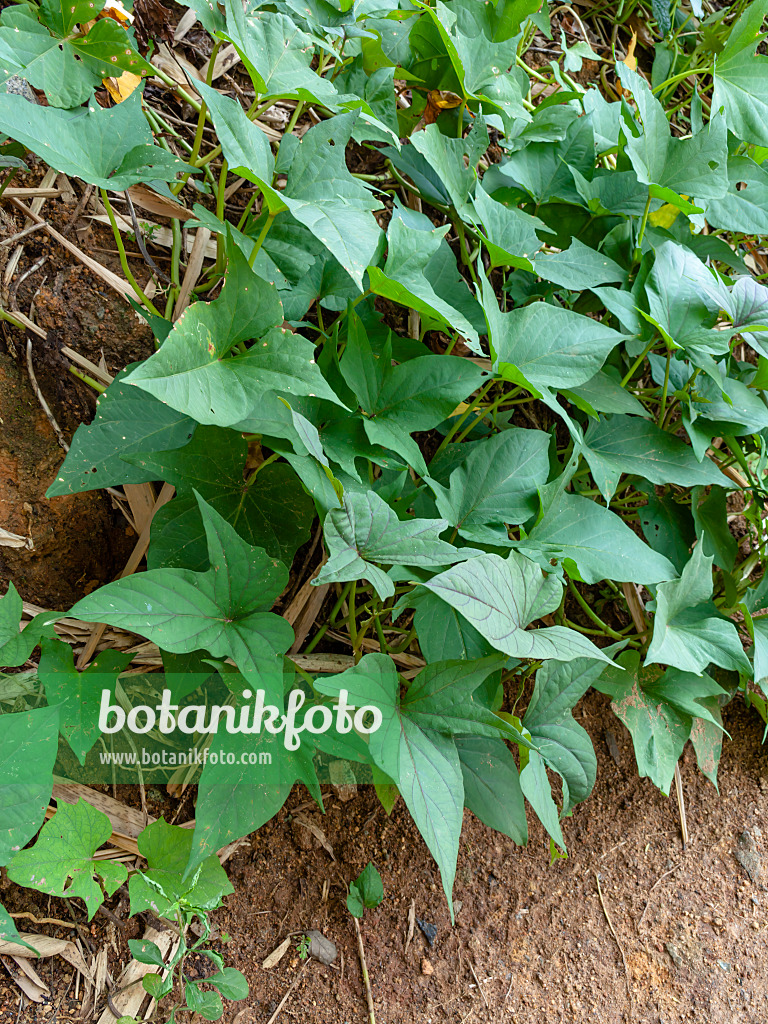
x,y
493,337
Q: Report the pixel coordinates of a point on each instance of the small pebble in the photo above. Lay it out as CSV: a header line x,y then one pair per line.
x,y
430,931
426,967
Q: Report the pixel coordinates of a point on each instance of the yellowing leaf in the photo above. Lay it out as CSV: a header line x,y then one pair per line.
x,y
665,216
121,88
114,9
631,60
437,102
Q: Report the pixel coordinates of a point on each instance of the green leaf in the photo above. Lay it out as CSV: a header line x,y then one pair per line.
x,y
663,15
77,694
659,710
274,512
562,742
67,66
741,77
8,932
628,444
600,544
163,887
667,526
510,234
404,279
355,904
444,635
546,345
368,888
578,267
61,862
324,197
127,420
687,631
109,147
231,983
207,1004
320,193
156,986
441,698
742,209
409,748
537,791
500,597
15,645
235,800
28,748
366,530
454,160
603,393
498,480
222,610
478,39
711,519
543,169
210,16
679,293
492,785
659,731
146,952
277,55
673,167
189,373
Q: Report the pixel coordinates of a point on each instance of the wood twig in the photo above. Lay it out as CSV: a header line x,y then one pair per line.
x,y
618,943
284,1000
479,985
364,969
681,804
43,404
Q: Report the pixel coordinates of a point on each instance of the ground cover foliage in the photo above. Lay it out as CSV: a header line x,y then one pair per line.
x,y
552,479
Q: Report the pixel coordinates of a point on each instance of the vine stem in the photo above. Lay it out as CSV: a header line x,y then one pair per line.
x,y
465,415
628,376
123,258
260,240
592,614
643,224
8,179
201,119
665,389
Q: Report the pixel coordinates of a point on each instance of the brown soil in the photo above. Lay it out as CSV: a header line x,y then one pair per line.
x,y
79,541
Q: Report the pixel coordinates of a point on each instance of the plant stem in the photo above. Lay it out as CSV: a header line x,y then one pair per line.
x,y
662,406
627,377
271,458
592,614
641,233
351,621
465,415
87,380
8,179
123,258
260,240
